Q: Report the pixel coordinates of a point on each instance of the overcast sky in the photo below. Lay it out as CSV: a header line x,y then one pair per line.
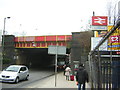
x,y
49,17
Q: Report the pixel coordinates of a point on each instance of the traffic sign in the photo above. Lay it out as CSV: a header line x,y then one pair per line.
x,y
61,50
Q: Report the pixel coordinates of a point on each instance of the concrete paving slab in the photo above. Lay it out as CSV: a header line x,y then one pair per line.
x,y
61,82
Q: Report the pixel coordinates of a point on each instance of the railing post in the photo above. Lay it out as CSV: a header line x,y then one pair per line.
x,y
99,70
90,66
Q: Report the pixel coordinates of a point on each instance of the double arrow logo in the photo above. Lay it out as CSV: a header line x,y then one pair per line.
x,y
99,20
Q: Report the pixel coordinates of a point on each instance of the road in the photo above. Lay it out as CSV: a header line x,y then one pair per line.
x,y
35,75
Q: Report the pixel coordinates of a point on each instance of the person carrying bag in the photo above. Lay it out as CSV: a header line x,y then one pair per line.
x,y
67,73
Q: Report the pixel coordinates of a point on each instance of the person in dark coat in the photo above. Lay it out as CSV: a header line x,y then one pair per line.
x,y
81,77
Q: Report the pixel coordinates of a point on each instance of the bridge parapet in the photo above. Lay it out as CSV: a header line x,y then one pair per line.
x,y
41,41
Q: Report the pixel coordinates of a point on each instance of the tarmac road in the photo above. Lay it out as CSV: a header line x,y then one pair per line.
x,y
35,75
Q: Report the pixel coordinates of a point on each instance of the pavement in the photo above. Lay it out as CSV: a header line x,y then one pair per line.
x,y
59,82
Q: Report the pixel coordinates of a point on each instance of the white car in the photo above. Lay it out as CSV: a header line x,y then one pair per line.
x,y
14,73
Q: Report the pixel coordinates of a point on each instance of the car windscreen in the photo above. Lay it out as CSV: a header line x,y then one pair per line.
x,y
14,69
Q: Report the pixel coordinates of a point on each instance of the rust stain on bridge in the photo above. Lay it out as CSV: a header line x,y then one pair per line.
x,y
42,41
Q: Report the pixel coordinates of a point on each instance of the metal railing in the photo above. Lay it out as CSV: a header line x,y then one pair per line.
x,y
105,65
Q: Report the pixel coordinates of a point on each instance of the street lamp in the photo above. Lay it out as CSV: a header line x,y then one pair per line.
x,y
5,24
4,31
3,37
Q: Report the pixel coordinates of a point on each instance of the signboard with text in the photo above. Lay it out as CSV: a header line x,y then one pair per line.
x,y
102,28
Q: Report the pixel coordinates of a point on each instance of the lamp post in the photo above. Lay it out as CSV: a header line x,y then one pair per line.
x,y
4,29
3,37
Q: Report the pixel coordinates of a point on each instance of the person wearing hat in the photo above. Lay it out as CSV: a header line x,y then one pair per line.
x,y
81,77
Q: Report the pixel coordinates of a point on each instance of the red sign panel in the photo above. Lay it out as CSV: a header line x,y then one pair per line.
x,y
61,38
115,39
99,20
50,38
21,39
43,38
30,38
40,38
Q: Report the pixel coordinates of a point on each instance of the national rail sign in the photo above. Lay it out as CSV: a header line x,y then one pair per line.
x,y
99,20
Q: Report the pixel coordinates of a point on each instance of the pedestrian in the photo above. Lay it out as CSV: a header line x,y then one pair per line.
x,y
64,67
81,77
67,72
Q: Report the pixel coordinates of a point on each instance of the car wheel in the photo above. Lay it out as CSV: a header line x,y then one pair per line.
x,y
17,80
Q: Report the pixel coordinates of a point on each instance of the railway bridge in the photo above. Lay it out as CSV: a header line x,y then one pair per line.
x,y
33,50
41,41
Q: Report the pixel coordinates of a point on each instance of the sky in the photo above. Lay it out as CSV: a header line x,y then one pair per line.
x,y
49,17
